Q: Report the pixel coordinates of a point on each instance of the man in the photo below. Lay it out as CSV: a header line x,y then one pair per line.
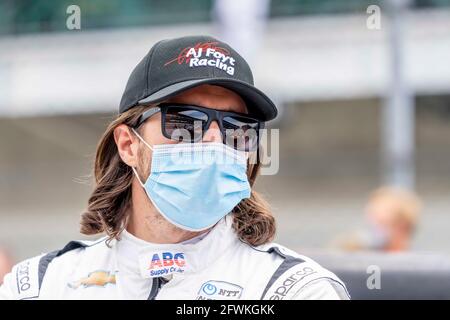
x,y
173,194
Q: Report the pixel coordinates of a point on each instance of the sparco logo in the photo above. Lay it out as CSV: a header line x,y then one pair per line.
x,y
288,283
23,277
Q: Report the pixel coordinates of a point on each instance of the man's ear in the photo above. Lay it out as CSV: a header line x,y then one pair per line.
x,y
127,145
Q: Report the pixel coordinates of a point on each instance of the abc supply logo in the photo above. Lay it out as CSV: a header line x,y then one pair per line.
x,y
206,54
167,263
219,290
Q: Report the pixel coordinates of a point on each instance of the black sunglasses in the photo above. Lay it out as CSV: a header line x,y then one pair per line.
x,y
188,123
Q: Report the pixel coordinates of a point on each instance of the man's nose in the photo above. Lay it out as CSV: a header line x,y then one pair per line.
x,y
213,133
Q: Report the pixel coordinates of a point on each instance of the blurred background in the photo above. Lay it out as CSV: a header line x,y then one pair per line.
x,y
364,98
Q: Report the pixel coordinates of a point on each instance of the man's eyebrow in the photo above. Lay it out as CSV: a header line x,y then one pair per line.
x,y
235,109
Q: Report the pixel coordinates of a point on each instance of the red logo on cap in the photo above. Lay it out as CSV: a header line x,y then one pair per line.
x,y
183,58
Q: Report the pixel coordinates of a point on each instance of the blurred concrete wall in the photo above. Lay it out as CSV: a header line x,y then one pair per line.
x,y
300,59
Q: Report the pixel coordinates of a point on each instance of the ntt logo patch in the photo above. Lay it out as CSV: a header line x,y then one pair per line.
x,y
219,290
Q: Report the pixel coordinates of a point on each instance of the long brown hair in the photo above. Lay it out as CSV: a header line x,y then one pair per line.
x,y
110,200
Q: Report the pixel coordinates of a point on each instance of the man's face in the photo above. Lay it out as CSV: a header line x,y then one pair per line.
x,y
208,96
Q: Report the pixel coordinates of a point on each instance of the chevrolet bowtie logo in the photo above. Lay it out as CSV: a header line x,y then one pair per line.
x,y
96,278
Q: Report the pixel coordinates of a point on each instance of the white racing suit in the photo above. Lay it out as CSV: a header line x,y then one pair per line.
x,y
216,265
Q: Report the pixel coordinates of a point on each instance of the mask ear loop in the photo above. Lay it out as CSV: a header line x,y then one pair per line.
x,y
140,138
137,176
133,168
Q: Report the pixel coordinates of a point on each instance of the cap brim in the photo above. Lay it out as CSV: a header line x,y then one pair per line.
x,y
258,104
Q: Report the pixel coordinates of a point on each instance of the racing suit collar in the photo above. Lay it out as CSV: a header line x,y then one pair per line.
x,y
191,256
139,243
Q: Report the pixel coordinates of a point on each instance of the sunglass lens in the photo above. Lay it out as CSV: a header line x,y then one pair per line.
x,y
183,124
241,133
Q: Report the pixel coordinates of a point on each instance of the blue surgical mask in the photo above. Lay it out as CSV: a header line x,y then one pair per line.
x,y
194,185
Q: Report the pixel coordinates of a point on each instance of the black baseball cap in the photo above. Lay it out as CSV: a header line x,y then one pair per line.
x,y
175,65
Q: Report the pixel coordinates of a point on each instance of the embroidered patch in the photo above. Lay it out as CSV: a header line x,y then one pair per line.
x,y
98,278
219,290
